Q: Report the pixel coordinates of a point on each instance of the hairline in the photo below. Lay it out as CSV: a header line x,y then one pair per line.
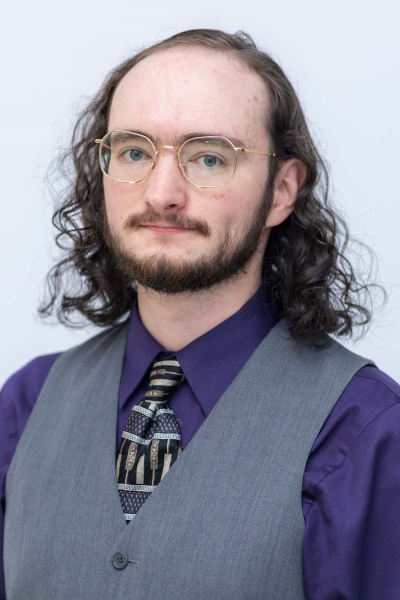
x,y
232,54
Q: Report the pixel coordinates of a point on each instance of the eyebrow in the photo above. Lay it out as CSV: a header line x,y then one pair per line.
x,y
178,140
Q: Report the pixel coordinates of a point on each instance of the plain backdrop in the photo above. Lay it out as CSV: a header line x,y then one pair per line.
x,y
342,57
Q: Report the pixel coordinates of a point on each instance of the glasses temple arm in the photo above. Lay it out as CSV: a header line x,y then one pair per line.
x,y
255,151
103,144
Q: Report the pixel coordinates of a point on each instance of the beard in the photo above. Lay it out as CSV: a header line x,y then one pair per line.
x,y
167,275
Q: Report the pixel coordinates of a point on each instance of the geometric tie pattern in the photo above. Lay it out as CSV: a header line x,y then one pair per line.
x,y
151,440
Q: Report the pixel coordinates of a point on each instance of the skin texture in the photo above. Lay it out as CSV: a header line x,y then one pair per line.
x,y
169,96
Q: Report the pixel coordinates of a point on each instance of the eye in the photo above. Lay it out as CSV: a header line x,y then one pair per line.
x,y
210,161
132,154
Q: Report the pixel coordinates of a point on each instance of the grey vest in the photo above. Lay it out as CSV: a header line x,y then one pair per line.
x,y
225,523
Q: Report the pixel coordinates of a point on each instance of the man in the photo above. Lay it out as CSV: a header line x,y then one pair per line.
x,y
201,237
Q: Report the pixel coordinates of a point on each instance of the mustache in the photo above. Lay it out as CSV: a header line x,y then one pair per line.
x,y
174,219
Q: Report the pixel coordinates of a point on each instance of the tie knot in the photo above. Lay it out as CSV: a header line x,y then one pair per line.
x,y
165,376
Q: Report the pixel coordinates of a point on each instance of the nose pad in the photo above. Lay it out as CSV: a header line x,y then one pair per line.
x,y
183,167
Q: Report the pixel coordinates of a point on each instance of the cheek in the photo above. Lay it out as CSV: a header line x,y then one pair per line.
x,y
118,200
225,209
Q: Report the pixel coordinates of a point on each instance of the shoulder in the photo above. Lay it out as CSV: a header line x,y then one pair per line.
x,y
369,393
367,412
24,385
95,346
21,390
373,379
31,376
351,493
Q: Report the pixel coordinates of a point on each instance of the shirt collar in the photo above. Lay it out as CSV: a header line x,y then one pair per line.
x,y
210,362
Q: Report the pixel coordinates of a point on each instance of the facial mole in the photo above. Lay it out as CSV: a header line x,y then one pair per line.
x,y
255,98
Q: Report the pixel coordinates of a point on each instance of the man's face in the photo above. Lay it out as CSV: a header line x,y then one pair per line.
x,y
166,233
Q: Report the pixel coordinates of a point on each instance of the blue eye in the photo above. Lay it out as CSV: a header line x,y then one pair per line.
x,y
135,154
210,161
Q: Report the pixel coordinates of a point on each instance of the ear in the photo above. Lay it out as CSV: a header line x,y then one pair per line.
x,y
289,180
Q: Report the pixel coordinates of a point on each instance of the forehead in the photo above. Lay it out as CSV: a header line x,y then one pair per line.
x,y
188,90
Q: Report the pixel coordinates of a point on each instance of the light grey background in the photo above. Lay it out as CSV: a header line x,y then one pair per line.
x,y
342,57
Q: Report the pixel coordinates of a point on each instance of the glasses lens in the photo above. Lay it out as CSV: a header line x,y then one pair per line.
x,y
126,156
208,161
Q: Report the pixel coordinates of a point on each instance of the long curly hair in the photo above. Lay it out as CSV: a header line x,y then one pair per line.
x,y
311,279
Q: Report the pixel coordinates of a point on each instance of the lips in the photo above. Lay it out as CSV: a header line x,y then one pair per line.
x,y
166,226
174,223
162,226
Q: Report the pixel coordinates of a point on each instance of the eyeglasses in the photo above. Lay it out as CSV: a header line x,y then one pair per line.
x,y
205,162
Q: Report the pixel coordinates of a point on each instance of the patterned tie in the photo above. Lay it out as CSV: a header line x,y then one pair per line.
x,y
151,440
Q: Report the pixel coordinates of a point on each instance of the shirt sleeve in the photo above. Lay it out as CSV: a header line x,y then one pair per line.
x,y
352,543
17,399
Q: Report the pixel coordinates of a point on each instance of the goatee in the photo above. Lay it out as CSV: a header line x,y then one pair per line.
x,y
166,275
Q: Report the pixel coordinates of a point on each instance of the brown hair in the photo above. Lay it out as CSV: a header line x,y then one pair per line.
x,y
312,282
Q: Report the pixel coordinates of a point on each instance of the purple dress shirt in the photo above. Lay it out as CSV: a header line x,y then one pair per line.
x,y
351,485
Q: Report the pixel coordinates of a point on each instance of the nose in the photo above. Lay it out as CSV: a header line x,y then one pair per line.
x,y
166,187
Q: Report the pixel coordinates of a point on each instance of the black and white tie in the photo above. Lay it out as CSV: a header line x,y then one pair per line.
x,y
151,440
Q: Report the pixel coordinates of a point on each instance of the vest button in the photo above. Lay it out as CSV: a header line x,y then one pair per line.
x,y
119,561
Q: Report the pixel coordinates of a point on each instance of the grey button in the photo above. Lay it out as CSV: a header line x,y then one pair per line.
x,y
119,561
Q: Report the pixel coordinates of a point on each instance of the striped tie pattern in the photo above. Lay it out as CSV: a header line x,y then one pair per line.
x,y
151,440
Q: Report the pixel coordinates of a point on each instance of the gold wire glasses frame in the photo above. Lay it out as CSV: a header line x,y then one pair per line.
x,y
136,154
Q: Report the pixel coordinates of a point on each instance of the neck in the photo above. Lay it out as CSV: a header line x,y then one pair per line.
x,y
176,320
